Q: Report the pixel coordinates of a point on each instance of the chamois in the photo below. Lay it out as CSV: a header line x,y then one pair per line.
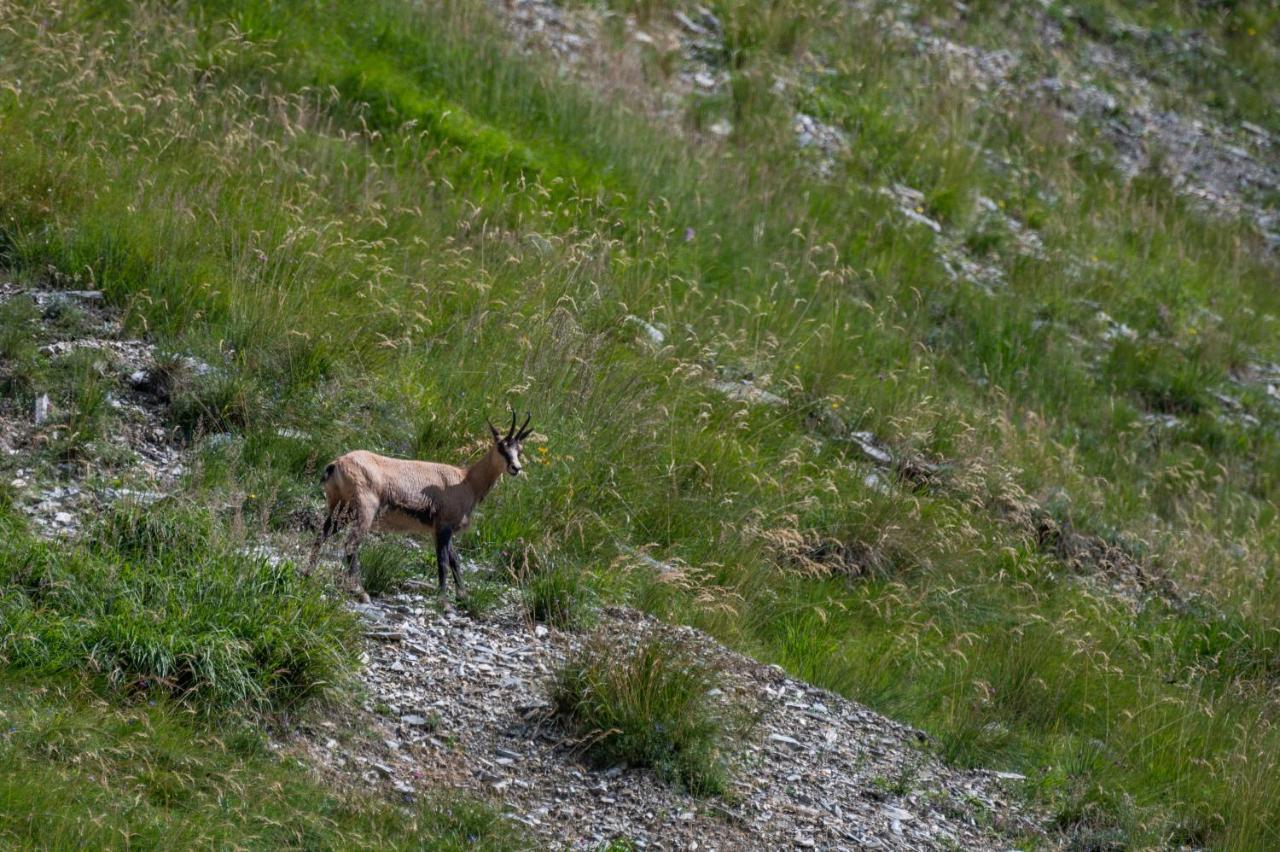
x,y
385,494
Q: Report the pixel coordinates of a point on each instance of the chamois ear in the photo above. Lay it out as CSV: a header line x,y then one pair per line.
x,y
524,428
493,430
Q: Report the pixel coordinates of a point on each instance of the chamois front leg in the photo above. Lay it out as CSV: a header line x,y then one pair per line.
x,y
457,570
444,536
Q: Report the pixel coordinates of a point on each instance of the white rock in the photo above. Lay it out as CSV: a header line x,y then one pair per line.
x,y
655,334
721,128
786,740
41,411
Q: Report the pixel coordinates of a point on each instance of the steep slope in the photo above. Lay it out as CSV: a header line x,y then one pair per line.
x,y
890,332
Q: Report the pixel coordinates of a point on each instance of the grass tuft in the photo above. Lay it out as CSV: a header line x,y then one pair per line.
x,y
78,773
649,707
560,597
386,563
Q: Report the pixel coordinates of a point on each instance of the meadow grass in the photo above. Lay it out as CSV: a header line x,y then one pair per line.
x,y
155,604
560,597
79,772
379,225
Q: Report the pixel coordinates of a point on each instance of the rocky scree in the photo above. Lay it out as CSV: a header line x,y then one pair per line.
x,y
1096,89
451,700
145,456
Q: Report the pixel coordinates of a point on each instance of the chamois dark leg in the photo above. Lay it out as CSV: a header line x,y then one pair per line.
x,y
364,514
331,523
457,570
444,536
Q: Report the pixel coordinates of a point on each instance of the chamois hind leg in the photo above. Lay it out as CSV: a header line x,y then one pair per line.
x,y
444,536
331,523
361,524
457,571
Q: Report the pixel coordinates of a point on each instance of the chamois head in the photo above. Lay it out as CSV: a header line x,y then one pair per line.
x,y
508,446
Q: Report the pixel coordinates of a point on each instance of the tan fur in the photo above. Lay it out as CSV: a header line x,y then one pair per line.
x,y
389,492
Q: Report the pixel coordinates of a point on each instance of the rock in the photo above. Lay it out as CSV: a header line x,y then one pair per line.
x,y
413,720
40,412
871,447
896,813
721,128
785,740
655,334
688,24
745,391
1260,132
875,483
921,219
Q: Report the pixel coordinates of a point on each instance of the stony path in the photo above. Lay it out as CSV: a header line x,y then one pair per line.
x,y
456,701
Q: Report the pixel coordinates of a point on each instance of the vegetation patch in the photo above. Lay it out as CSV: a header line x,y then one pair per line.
x,y
560,597
386,563
651,706
77,772
377,223
159,604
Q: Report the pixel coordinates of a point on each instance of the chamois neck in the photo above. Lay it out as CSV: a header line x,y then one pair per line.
x,y
484,474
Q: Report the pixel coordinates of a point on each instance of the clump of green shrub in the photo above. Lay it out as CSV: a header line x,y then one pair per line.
x,y
386,564
157,603
560,597
649,707
482,598
163,529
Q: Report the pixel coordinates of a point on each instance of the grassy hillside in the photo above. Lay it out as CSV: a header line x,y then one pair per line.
x,y
379,224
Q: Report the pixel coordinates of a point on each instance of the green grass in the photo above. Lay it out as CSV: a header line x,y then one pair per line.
x,y
78,772
387,563
560,597
379,225
649,707
159,605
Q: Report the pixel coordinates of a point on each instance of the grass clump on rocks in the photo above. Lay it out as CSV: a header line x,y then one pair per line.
x,y
649,707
